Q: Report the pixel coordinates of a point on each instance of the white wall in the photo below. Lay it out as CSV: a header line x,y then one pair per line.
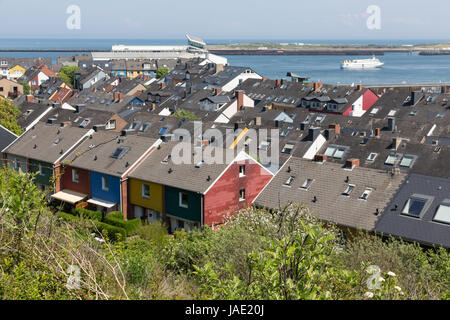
x,y
230,86
358,108
315,147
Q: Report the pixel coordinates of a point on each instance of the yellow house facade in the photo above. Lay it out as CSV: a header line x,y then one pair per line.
x,y
16,72
146,199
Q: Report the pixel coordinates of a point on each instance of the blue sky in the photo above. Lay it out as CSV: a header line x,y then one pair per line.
x,y
227,19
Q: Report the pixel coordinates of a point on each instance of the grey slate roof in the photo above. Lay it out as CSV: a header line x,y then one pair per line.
x,y
95,154
422,229
328,186
182,176
45,143
6,137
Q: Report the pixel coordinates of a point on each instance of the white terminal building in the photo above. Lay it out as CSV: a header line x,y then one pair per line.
x,y
196,48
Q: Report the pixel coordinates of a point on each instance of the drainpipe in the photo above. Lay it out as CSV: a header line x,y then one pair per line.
x,y
202,212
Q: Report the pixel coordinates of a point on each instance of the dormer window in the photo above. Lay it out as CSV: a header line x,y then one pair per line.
x,y
111,125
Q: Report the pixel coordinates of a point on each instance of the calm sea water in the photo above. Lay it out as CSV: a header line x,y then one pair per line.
x,y
399,67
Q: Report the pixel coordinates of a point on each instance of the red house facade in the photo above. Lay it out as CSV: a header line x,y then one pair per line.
x,y
237,187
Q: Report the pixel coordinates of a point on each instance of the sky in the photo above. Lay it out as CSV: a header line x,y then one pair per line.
x,y
227,19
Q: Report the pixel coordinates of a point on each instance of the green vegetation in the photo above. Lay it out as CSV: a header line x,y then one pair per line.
x,y
255,255
26,87
161,72
8,116
185,114
67,74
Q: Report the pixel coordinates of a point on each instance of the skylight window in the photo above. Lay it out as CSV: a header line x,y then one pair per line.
x,y
374,110
163,130
414,207
413,113
392,113
166,159
120,152
372,156
349,190
443,213
320,118
287,148
134,125
391,159
306,184
144,127
84,123
366,194
440,115
330,151
407,161
339,153
289,181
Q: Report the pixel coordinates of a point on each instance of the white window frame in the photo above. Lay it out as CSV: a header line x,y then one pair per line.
x,y
144,195
241,199
105,184
75,176
241,172
180,195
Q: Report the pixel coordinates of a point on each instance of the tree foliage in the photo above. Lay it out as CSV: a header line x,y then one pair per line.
x,y
256,254
161,72
8,116
67,74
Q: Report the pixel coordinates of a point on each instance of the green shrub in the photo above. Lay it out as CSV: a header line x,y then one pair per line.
x,y
131,226
155,232
67,216
116,214
114,233
88,214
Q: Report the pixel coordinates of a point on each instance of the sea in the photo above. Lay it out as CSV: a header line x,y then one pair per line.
x,y
398,68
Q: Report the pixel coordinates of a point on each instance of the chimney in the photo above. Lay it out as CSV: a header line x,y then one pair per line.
x,y
163,85
317,85
240,98
80,108
336,127
30,98
351,163
217,91
396,142
359,87
377,132
320,158
219,67
277,83
391,124
257,121
120,96
330,134
153,106
116,96
415,97
313,133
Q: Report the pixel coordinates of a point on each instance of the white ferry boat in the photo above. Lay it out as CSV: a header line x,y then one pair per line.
x,y
362,64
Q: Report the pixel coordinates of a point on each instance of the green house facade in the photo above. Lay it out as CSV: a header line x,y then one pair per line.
x,y
44,172
183,205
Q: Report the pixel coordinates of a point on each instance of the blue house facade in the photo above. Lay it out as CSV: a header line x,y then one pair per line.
x,y
105,188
